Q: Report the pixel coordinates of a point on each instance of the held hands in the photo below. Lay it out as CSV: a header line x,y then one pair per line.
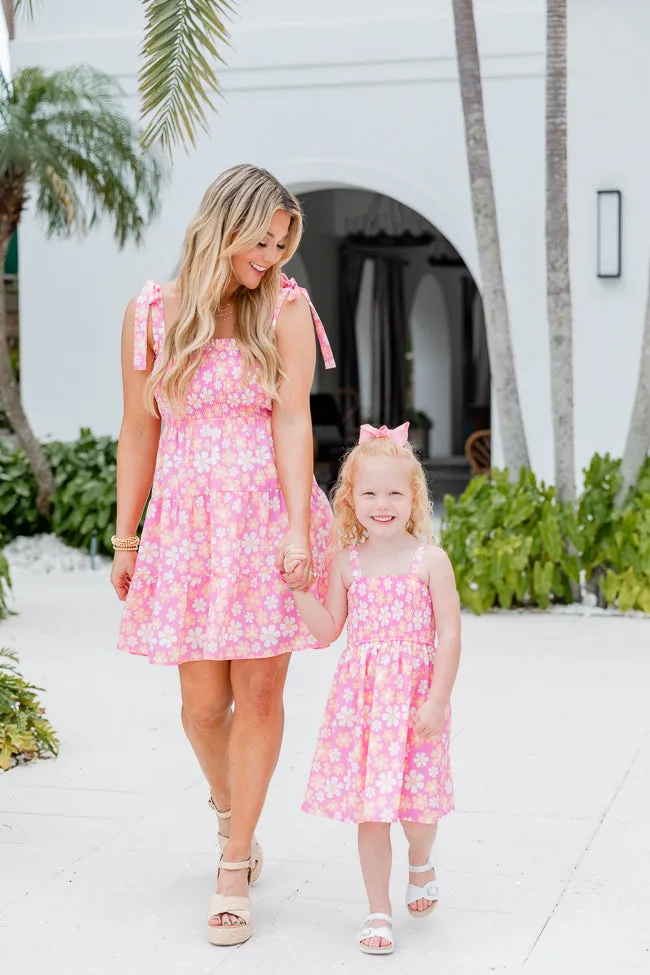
x,y
293,556
293,561
430,719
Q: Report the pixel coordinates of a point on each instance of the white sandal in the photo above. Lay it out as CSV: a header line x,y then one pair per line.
x,y
430,892
225,935
257,855
371,930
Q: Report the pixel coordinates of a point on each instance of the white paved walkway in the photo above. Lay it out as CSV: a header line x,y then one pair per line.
x,y
107,855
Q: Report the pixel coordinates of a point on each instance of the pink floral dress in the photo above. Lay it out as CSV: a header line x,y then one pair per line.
x,y
369,765
205,585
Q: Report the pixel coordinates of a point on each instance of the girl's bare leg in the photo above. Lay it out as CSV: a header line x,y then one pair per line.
x,y
420,838
376,857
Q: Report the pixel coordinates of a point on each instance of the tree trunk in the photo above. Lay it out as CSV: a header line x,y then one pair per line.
x,y
558,285
497,323
638,435
11,204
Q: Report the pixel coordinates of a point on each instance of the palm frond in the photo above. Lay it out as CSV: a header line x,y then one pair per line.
x,y
182,44
64,134
25,7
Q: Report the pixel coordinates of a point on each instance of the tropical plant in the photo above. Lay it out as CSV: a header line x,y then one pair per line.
x,y
18,512
64,141
560,323
84,503
181,48
25,732
615,541
506,541
497,323
5,586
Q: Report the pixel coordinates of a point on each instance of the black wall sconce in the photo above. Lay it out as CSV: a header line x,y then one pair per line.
x,y
610,206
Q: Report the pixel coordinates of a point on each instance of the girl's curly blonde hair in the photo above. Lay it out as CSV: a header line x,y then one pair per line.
x,y
348,531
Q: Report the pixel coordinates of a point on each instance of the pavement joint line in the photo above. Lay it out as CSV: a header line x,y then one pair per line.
x,y
73,788
588,846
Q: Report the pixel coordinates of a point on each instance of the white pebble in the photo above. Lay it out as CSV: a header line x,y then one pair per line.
x,y
47,553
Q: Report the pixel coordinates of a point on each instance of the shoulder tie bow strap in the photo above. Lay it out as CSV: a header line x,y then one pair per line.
x,y
290,291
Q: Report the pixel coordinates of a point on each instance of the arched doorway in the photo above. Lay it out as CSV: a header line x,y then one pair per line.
x,y
405,319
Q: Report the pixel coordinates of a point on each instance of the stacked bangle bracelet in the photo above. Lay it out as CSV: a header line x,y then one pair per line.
x,y
129,544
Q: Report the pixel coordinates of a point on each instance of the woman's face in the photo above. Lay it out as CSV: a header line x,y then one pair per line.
x,y
250,266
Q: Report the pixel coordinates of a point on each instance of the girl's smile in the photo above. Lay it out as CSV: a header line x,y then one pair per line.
x,y
383,497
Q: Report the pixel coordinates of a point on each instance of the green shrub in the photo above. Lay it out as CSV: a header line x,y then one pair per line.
x,y
515,544
18,514
85,492
5,586
616,547
25,732
508,543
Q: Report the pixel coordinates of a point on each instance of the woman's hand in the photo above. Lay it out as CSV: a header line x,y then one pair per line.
x,y
122,572
430,719
302,576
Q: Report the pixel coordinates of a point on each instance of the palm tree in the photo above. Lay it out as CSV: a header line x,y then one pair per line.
x,y
638,436
560,320
65,144
182,44
497,322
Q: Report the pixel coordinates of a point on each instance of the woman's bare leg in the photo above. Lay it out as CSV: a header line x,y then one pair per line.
x,y
255,740
376,858
207,720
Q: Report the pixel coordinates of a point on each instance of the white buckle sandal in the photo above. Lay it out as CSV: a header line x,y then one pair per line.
x,y
225,935
371,930
257,856
430,892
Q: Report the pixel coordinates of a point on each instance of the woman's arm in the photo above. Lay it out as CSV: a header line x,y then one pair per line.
x,y
326,622
431,717
291,427
136,454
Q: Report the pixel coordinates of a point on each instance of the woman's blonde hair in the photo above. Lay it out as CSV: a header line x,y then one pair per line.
x,y
348,531
234,215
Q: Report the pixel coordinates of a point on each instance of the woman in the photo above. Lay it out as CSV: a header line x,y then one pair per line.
x,y
225,357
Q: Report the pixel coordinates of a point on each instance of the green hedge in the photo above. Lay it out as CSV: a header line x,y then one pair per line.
x,y
515,544
85,494
5,586
511,544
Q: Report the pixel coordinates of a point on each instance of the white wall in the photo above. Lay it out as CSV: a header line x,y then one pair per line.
x,y
323,95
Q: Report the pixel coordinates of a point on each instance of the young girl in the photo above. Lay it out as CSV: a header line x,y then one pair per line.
x,y
383,749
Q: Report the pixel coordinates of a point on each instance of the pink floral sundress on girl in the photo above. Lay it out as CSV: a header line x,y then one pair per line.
x,y
205,585
369,765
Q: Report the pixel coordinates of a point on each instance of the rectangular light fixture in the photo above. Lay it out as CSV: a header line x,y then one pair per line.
x,y
610,206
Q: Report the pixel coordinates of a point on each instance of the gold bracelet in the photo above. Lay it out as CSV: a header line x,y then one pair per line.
x,y
129,544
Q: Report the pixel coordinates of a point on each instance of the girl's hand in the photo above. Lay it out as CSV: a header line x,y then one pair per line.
x,y
292,558
122,572
302,576
430,719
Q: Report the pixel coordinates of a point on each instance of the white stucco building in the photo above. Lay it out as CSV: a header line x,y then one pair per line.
x,y
344,101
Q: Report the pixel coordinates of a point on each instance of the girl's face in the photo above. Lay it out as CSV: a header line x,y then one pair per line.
x,y
382,495
250,266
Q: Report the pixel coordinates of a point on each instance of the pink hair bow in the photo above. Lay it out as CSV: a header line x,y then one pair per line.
x,y
399,435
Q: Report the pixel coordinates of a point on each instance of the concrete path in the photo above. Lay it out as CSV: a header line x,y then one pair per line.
x,y
107,855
